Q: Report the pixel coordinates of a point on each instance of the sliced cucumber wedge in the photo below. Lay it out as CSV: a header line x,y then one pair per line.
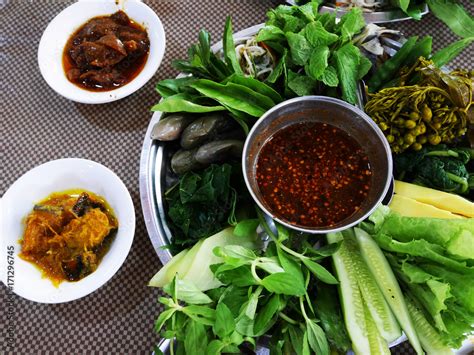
x,y
388,284
429,336
380,311
378,345
351,297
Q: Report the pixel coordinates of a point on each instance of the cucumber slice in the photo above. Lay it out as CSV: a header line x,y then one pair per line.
x,y
378,345
383,275
429,336
351,297
380,311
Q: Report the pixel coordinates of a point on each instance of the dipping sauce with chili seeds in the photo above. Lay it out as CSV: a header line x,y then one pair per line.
x,y
313,174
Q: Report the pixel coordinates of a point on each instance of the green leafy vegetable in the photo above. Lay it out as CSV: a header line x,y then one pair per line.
x,y
201,204
437,167
445,55
453,14
229,48
184,103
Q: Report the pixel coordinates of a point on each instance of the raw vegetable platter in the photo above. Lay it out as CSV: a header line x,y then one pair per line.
x,y
240,279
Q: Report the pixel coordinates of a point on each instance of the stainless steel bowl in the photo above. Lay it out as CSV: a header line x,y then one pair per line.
x,y
337,113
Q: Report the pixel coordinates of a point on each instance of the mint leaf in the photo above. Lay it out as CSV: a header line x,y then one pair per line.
x,y
300,49
318,62
364,67
329,77
270,33
347,64
301,85
351,23
317,35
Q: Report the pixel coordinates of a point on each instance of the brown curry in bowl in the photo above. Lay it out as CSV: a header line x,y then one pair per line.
x,y
106,53
67,234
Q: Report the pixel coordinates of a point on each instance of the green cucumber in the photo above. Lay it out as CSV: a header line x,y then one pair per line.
x,y
429,336
383,275
374,299
378,345
351,297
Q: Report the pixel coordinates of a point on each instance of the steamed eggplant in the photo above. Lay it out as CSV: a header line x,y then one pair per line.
x,y
205,128
171,127
184,160
218,151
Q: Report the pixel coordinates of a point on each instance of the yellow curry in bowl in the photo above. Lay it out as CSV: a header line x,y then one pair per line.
x,y
67,234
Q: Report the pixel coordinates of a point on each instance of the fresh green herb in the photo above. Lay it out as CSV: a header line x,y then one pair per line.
x,y
201,204
445,55
437,167
263,292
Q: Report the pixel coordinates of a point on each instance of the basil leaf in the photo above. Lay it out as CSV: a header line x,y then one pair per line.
x,y
235,252
300,50
283,283
234,297
163,317
318,62
246,227
239,276
296,338
201,314
252,303
266,316
225,323
188,292
402,4
184,103
196,338
230,349
229,47
245,325
215,347
236,338
291,267
317,35
316,338
270,265
320,272
283,233
305,348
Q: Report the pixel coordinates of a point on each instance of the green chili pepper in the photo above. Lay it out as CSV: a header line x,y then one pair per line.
x,y
388,69
420,49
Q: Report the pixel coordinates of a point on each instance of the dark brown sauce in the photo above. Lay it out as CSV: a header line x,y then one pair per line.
x,y
113,69
313,174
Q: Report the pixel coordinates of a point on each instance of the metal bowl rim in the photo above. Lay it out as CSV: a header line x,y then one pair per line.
x,y
345,105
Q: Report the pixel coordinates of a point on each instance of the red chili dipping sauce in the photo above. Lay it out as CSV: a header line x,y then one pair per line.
x,y
313,174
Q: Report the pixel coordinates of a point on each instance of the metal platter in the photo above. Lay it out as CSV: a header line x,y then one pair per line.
x,y
156,177
392,15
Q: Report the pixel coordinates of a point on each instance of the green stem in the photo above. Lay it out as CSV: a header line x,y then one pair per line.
x,y
253,267
287,319
265,226
291,251
303,311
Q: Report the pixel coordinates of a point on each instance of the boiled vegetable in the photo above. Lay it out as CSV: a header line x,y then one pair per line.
x,y
192,265
439,167
439,199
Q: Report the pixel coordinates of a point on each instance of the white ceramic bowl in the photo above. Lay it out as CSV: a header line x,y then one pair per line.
x,y
37,184
59,30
